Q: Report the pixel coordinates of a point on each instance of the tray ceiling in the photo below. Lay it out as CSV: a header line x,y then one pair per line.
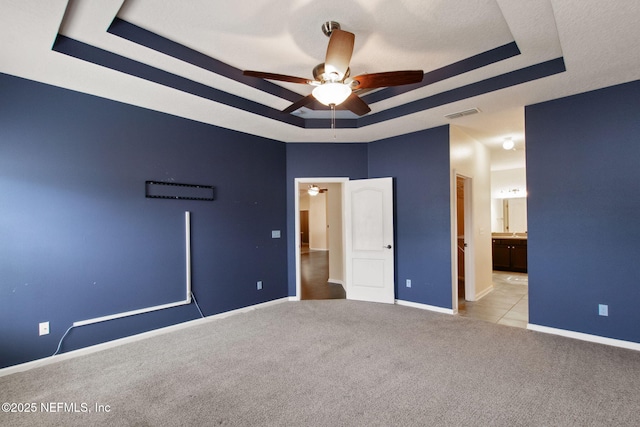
x,y
185,58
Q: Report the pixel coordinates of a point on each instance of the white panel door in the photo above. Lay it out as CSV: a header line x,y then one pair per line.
x,y
369,240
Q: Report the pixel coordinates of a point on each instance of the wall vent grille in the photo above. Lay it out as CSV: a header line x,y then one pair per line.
x,y
463,113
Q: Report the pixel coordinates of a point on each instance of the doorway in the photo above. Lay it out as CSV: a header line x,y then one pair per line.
x,y
460,235
359,239
320,240
463,270
314,262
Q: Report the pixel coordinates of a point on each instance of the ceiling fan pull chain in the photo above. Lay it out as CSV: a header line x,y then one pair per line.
x,y
333,120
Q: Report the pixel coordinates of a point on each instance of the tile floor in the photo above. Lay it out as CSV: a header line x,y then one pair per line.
x,y
506,304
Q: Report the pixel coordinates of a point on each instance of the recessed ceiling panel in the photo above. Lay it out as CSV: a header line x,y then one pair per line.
x,y
191,55
495,55
285,37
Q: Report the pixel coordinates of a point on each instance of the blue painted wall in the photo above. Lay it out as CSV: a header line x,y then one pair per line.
x,y
324,160
79,239
583,208
419,164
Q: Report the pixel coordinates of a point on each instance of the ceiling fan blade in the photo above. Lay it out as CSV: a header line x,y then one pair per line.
x,y
355,104
273,76
339,52
391,78
300,103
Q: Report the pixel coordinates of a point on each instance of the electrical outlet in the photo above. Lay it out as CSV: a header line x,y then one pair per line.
x,y
259,285
43,328
603,310
408,283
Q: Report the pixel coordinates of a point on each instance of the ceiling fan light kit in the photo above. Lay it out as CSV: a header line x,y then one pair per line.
x,y
333,84
331,93
508,144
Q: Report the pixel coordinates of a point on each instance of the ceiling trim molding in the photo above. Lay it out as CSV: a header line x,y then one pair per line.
x,y
480,60
141,36
101,57
513,78
502,81
86,52
151,40
146,38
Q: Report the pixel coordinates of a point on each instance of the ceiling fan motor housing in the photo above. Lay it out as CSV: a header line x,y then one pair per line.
x,y
320,75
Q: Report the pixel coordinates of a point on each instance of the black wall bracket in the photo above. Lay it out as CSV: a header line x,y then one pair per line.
x,y
174,190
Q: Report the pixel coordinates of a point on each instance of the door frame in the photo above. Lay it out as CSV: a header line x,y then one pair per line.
x,y
298,182
469,258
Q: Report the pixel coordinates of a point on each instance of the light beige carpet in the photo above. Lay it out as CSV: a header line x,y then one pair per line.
x,y
338,363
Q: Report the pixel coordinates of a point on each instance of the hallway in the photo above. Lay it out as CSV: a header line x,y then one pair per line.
x,y
314,273
507,304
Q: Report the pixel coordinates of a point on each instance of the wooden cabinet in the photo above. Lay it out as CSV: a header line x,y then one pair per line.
x,y
510,255
501,254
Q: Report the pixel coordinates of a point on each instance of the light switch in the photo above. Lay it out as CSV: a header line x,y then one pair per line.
x,y
275,234
603,309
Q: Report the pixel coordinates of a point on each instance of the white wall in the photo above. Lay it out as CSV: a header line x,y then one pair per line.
x,y
504,182
318,239
304,201
472,159
334,222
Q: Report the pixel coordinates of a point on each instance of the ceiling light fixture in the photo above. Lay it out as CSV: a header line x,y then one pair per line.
x,y
332,93
508,144
313,190
331,88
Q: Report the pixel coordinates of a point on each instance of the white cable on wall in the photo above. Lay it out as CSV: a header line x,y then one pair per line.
x,y
187,241
187,300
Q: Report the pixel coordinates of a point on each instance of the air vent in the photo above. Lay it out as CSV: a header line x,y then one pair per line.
x,y
462,113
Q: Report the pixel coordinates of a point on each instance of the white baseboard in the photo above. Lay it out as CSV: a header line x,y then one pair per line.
x,y
425,306
483,293
133,338
585,337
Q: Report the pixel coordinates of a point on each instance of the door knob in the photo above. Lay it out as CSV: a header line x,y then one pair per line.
x,y
388,246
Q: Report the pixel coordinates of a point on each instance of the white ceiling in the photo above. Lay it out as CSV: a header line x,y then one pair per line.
x,y
598,41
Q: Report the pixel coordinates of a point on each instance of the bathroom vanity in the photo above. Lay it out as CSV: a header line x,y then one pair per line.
x,y
510,252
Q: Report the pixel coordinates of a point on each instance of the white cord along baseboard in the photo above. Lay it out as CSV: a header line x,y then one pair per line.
x,y
187,300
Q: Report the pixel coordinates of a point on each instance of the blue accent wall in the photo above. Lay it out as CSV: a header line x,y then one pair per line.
x,y
311,160
419,164
79,239
583,208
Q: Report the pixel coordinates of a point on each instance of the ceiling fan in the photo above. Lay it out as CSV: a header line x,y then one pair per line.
x,y
314,190
332,81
